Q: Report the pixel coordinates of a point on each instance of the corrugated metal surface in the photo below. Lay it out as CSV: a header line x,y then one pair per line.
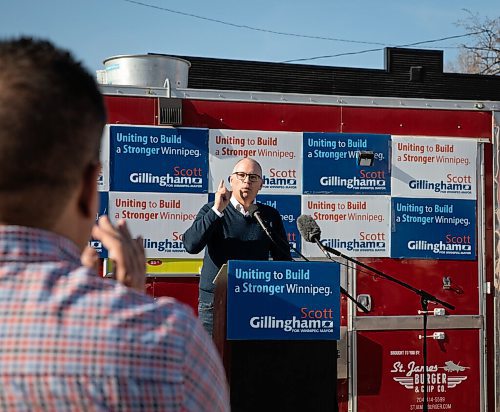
x,y
393,81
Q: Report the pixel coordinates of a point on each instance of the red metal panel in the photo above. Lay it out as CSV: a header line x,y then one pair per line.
x,y
260,116
132,110
313,118
390,366
295,117
451,123
184,289
390,299
343,310
343,395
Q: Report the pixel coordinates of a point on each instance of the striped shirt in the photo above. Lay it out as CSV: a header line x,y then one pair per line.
x,y
72,341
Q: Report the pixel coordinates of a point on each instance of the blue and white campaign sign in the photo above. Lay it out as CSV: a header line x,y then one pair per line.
x,y
432,167
160,218
279,154
353,225
158,159
289,208
330,164
103,210
434,229
283,300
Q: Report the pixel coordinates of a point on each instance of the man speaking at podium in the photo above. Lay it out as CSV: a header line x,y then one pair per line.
x,y
228,231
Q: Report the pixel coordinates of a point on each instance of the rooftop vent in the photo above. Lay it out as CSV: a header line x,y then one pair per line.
x,y
145,70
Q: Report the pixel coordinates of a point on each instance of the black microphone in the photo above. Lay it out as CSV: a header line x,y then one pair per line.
x,y
253,211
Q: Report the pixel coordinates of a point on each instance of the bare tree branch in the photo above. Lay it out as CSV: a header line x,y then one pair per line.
x,y
482,55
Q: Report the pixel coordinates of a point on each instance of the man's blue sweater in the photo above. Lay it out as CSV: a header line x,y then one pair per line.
x,y
233,236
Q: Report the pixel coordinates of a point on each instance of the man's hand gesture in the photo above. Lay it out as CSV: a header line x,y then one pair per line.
x,y
222,197
126,252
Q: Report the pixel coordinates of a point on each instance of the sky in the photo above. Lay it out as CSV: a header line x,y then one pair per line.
x,y
94,30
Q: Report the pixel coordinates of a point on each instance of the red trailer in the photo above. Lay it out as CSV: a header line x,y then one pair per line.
x,y
380,366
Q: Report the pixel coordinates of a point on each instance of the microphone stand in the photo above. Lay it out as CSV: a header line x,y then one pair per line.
x,y
342,290
425,298
255,215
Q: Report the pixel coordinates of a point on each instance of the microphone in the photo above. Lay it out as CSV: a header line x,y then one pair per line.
x,y
310,232
253,211
308,228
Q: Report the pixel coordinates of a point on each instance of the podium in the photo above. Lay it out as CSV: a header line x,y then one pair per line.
x,y
274,375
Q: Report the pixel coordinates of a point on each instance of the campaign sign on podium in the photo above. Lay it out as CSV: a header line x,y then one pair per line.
x,y
283,300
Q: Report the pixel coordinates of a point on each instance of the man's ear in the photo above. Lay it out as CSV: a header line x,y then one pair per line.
x,y
230,180
88,201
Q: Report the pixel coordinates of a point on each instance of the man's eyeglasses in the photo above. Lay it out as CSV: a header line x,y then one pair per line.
x,y
251,176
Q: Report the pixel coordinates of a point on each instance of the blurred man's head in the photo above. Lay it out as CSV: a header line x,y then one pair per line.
x,y
246,180
51,121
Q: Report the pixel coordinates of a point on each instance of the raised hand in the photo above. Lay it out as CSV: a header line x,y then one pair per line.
x,y
126,253
90,258
222,197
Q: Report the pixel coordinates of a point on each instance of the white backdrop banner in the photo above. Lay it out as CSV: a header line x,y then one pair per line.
x,y
434,167
353,225
161,218
279,154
